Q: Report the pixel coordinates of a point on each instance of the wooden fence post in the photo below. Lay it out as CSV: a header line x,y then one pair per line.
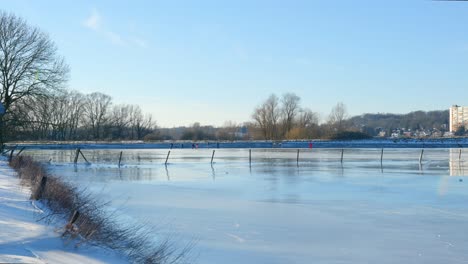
x,y
77,155
120,158
82,155
381,157
297,158
168,153
11,155
21,150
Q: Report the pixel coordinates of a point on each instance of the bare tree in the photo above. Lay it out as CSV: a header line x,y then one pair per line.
x,y
267,117
141,124
273,115
75,110
289,110
50,117
44,117
59,116
337,116
260,117
228,131
96,111
307,118
29,64
67,107
34,115
120,118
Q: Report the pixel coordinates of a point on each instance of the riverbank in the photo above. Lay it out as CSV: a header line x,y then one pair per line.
x,y
303,144
23,239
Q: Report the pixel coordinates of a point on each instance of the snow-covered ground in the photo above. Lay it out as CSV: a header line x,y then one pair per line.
x,y
281,211
25,240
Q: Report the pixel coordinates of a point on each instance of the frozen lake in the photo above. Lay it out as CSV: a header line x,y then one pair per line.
x,y
278,210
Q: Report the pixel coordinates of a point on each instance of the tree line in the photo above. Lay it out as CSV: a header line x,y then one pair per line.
x,y
71,115
414,121
284,118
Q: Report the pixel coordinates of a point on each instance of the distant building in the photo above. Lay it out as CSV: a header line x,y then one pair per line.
x,y
382,134
436,134
407,134
241,133
458,117
448,134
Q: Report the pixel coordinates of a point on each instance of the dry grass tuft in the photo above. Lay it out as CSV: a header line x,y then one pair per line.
x,y
94,224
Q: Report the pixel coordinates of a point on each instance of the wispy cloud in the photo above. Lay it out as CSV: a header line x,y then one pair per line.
x,y
95,22
115,38
139,42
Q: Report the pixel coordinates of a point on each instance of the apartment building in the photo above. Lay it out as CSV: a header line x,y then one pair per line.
x,y
458,117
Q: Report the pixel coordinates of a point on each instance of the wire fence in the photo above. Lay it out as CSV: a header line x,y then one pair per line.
x,y
299,157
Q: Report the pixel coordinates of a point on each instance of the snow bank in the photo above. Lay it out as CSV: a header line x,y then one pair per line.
x,y
24,240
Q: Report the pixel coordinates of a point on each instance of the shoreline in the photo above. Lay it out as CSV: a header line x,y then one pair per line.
x,y
254,144
24,239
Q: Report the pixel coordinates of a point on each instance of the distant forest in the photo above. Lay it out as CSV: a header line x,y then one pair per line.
x,y
372,124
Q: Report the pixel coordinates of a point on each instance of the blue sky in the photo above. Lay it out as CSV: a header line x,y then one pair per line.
x,y
213,61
